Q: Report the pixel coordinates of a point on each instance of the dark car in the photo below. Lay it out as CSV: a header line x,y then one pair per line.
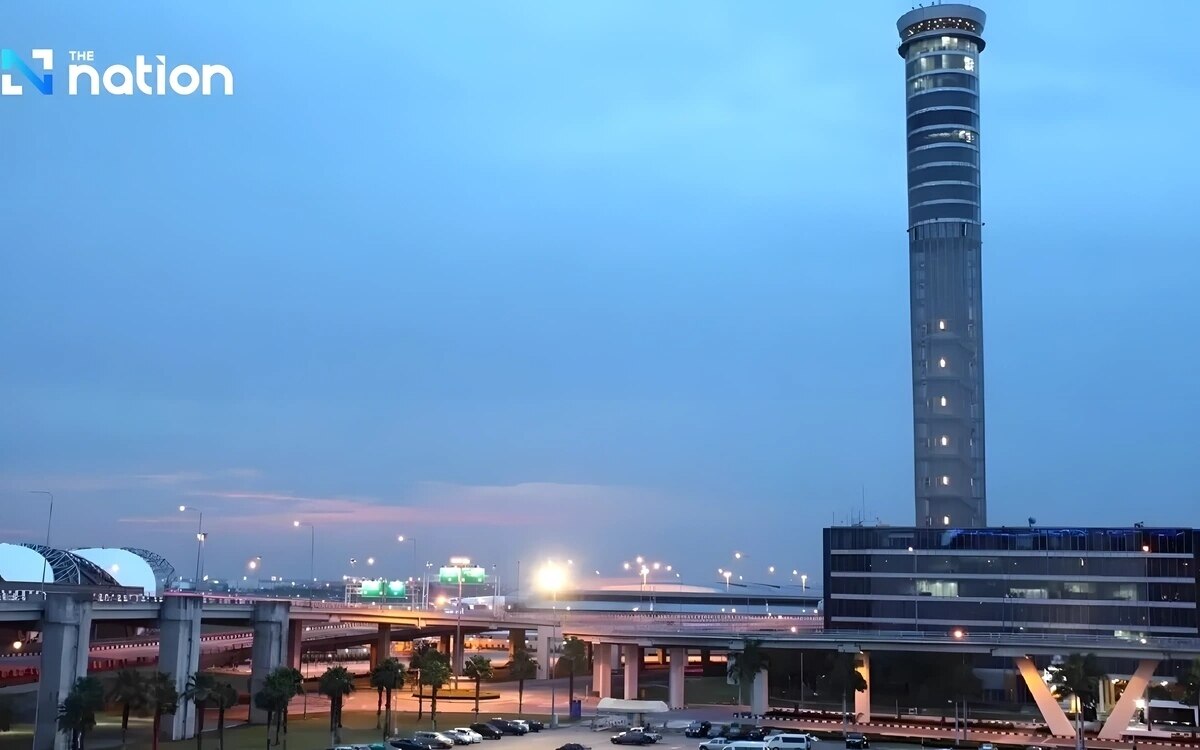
x,y
632,738
507,727
403,744
487,731
535,726
573,746
857,741
698,729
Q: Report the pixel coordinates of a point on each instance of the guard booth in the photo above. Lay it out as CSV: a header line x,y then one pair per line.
x,y
621,712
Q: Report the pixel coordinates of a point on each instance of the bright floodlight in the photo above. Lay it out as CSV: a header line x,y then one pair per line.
x,y
626,566
253,564
296,524
737,555
370,561
551,577
400,538
182,508
17,645
460,561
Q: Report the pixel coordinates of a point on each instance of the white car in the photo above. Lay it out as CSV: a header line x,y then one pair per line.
x,y
469,735
646,731
716,743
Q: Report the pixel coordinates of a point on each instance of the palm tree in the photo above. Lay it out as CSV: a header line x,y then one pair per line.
x,y
745,665
272,699
435,672
1190,682
842,676
387,676
420,651
478,668
522,667
290,683
201,689
77,712
376,680
161,698
225,696
130,690
574,653
1078,676
335,685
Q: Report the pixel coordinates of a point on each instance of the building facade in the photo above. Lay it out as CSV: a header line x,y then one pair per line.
x,y
1109,582
941,45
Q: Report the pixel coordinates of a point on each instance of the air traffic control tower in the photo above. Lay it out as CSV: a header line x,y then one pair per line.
x,y
940,45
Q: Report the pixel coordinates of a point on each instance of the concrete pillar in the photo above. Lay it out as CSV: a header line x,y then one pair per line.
x,y
179,657
862,699
381,647
269,649
1052,713
602,664
662,656
444,644
632,664
705,657
295,643
543,653
66,637
1118,720
758,694
676,677
516,639
457,654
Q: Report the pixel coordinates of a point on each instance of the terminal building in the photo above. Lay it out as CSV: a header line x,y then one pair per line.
x,y
1122,582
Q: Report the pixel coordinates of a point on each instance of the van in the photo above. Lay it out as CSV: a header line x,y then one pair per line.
x,y
745,745
788,742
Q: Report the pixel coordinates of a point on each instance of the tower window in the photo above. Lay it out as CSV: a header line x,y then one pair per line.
x,y
945,520
945,441
944,401
941,325
942,362
945,481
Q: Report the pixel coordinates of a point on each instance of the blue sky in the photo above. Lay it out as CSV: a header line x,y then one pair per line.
x,y
588,279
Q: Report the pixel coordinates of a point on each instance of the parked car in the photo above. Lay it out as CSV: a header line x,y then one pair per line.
x,y
470,734
534,726
655,736
716,743
698,729
573,746
435,740
631,737
857,741
401,743
508,727
487,731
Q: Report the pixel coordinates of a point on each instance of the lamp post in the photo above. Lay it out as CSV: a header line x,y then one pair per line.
x,y
727,574
458,563
416,569
254,565
200,537
312,547
49,519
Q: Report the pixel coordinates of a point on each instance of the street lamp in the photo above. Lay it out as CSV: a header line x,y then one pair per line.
x,y
416,568
200,537
458,563
727,574
49,519
312,547
803,581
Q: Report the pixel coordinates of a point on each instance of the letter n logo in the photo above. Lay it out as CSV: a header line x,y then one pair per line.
x,y
11,61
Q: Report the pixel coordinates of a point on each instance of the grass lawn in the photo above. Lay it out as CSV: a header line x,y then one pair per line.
x,y
303,734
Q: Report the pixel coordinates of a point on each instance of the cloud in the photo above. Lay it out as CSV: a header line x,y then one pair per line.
x,y
84,483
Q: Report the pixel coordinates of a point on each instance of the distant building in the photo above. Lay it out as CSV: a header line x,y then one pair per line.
x,y
740,599
940,45
1124,582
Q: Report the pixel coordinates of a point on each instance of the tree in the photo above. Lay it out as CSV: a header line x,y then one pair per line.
x,y
281,685
387,676
1078,676
77,712
200,690
335,685
522,667
225,696
161,698
574,653
841,676
478,668
1189,681
420,651
744,665
130,691
435,672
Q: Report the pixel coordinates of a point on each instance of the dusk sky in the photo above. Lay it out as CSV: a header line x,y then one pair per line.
x,y
577,279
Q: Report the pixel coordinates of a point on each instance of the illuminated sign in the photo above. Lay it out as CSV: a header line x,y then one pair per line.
x,y
469,575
